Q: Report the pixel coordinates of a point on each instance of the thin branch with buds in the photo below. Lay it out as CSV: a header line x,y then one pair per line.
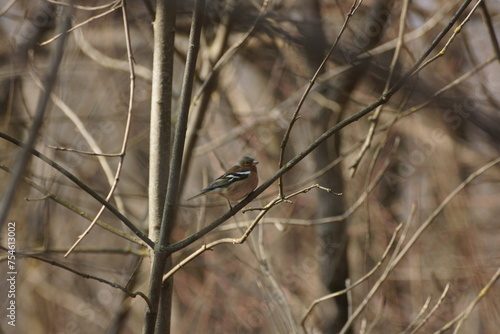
x,y
450,40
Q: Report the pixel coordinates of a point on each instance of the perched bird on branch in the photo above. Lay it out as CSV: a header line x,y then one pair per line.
x,y
235,184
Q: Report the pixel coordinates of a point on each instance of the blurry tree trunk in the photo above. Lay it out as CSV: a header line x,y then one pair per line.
x,y
333,237
43,21
24,156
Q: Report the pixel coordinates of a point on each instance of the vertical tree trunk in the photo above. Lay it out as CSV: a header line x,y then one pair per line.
x,y
161,111
160,133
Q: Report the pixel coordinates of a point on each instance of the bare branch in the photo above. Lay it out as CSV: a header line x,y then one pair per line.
x,y
84,187
49,195
114,184
295,117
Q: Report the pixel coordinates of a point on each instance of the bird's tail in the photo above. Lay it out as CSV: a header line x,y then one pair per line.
x,y
204,192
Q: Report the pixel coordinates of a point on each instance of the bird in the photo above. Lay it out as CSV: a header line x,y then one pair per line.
x,y
236,183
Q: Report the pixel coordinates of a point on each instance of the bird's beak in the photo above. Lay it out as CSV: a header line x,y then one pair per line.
x,y
255,162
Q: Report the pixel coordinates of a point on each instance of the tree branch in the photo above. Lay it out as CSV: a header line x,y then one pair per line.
x,y
84,187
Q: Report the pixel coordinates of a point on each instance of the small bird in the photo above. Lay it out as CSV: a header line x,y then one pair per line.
x,y
235,184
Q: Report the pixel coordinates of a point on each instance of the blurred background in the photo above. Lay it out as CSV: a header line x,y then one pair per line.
x,y
401,164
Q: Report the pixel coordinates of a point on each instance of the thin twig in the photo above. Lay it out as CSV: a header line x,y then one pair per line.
x,y
83,250
450,40
465,314
271,288
235,132
104,60
245,235
419,314
89,8
85,133
391,265
232,50
90,153
125,135
376,115
213,244
7,6
312,81
447,87
79,25
429,315
301,191
378,317
423,29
